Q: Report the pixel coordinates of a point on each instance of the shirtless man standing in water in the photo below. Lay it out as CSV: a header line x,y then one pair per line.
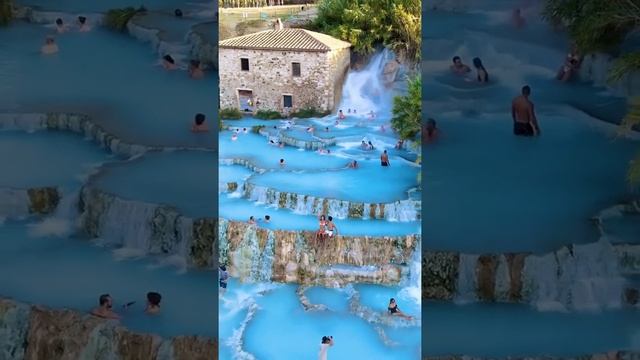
x,y
524,117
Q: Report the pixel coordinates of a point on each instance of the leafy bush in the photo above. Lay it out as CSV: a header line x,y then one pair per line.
x,y
366,23
230,114
117,19
407,111
6,13
309,113
269,115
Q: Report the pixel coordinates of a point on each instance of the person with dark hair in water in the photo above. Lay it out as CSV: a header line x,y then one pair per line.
x,y
60,27
84,27
153,303
198,124
104,309
523,114
430,130
325,344
178,13
50,46
195,71
458,67
483,75
393,309
168,62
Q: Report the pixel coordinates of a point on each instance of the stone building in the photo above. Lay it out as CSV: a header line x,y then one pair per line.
x,y
283,70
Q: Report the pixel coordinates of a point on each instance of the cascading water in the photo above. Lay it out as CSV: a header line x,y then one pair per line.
x,y
364,90
466,286
413,289
63,221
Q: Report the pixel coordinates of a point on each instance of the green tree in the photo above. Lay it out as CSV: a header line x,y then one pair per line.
x,y
407,111
395,24
598,25
6,13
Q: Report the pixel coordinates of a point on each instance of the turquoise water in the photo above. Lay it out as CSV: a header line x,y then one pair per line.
x,y
178,178
27,160
500,330
370,182
116,80
353,336
512,193
231,173
234,208
63,272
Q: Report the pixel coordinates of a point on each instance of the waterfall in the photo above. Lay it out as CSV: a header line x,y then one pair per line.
x,y
64,219
403,210
265,268
586,278
466,285
413,288
128,224
364,89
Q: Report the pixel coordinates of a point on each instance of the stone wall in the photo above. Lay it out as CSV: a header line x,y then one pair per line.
x,y
269,77
297,257
34,333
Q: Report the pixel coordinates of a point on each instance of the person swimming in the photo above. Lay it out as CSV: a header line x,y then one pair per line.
x,y
234,136
104,309
310,129
50,46
267,218
571,65
168,62
195,71
60,27
394,310
384,159
198,124
370,146
178,13
280,144
153,303
431,130
364,145
326,129
83,25
382,129
341,115
245,131
353,164
483,75
525,122
252,220
282,164
458,67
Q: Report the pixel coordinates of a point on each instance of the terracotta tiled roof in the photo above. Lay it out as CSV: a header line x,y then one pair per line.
x,y
285,39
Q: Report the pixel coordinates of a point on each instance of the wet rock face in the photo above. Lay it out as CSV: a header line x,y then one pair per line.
x,y
232,186
204,242
194,348
440,274
299,257
35,333
14,322
43,200
486,275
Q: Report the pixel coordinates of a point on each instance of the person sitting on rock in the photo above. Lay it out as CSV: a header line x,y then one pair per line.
x,y
153,303
393,309
104,309
332,229
322,222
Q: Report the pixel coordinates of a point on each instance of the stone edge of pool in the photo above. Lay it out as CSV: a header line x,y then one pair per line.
x,y
33,331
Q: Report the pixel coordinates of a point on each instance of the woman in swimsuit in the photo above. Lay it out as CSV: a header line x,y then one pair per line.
x,y
393,309
322,222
